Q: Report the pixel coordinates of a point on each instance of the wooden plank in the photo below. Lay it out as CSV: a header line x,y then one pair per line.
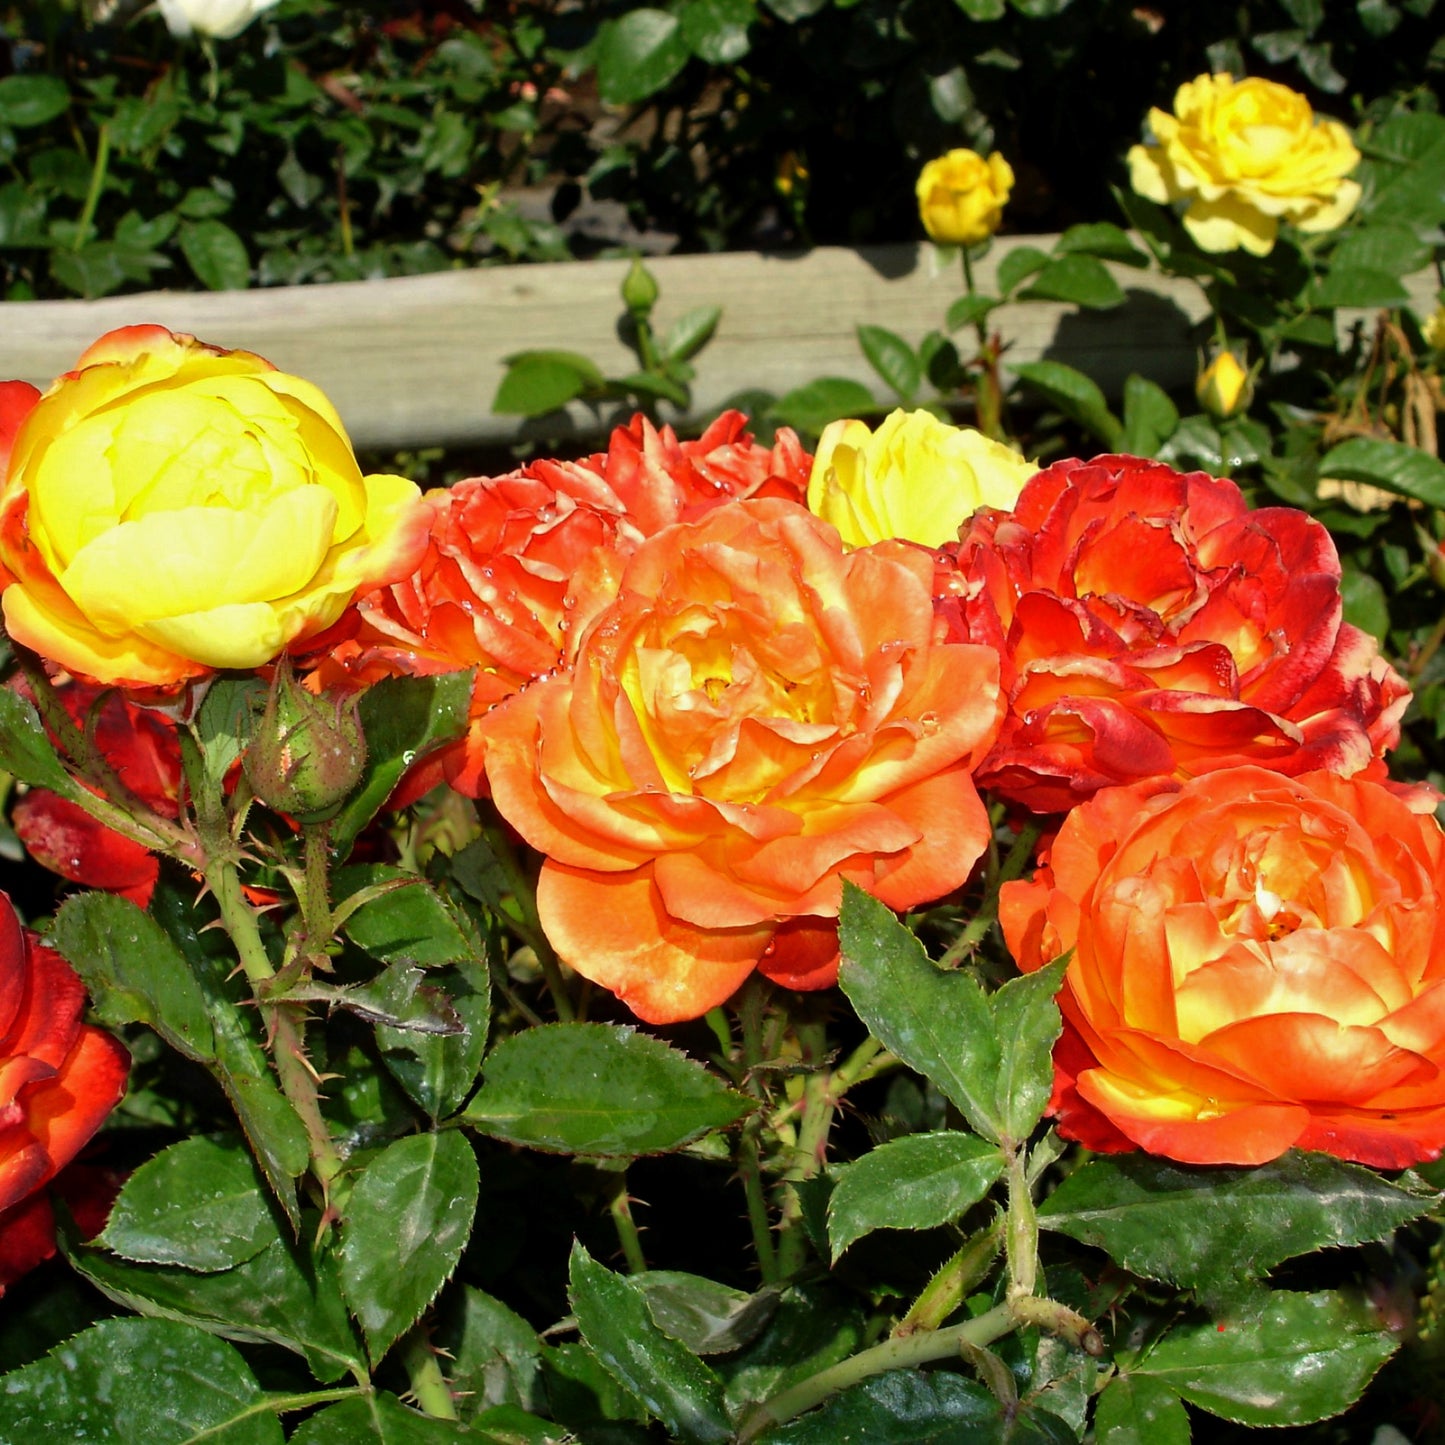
x,y
416,360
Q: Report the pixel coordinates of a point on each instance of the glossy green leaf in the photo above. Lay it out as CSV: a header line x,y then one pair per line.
x,y
1392,465
225,720
138,1382
1367,606
1081,280
407,1222
693,329
1018,265
1075,395
132,970
199,1204
1205,1226
916,1182
667,1377
990,1055
404,718
637,54
981,9
1397,250
278,1297
216,254
1104,240
438,1071
496,1356
717,30
1356,286
970,309
1139,1410
598,1089
810,408
535,383
381,1419
893,359
26,752
411,922
708,1317
29,100
1150,417
1277,1359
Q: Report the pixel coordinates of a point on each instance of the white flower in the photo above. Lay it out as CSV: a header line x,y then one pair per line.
x,y
217,19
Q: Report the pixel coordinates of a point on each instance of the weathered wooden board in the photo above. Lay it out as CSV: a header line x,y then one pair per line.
x,y
416,360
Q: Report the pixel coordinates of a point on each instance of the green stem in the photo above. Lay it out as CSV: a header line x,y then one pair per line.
x,y
425,1376
894,1354
1021,1227
750,1171
1428,649
619,1206
314,895
92,194
948,1289
1014,864
988,395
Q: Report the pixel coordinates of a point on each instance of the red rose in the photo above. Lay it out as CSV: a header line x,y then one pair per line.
x,y
1152,625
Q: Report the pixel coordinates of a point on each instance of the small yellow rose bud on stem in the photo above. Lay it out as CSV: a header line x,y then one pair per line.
x,y
1224,388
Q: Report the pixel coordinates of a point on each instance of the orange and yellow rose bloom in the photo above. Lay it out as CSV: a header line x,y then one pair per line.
x,y
1152,625
169,508
1258,964
759,715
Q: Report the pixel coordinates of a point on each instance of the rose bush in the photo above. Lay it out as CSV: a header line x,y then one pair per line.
x,y
515,565
961,196
1258,964
169,507
758,716
1151,624
1242,156
59,1078
914,478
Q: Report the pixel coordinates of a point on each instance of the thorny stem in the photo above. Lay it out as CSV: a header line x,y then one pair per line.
x,y
749,1158
1021,1227
988,395
619,1206
948,1289
424,1374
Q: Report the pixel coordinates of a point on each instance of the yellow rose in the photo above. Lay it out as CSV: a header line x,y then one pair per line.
x,y
1244,155
961,196
915,478
170,507
1224,387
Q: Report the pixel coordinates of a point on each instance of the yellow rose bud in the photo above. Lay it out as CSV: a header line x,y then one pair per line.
x,y
170,507
961,196
1433,329
1224,387
1242,156
915,478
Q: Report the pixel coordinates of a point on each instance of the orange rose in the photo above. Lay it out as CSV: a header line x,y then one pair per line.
x,y
758,716
59,1078
1258,964
516,564
1152,625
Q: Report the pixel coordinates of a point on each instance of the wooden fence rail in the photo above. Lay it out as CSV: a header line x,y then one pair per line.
x,y
415,360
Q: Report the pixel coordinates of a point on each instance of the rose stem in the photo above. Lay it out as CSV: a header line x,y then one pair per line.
x,y
425,1376
619,1206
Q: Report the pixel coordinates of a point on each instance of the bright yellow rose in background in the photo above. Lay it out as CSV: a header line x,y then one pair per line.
x,y
1244,155
961,196
170,507
916,478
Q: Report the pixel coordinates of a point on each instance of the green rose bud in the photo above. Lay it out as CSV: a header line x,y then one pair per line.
x,y
308,751
639,291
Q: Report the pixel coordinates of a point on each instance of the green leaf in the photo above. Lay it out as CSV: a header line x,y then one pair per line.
x,y
225,722
537,382
1366,604
198,1204
381,1419
1149,416
1104,240
903,1407
810,408
1082,280
26,752
990,1055
216,254
1284,1359
438,1071
637,54
278,1297
29,100
1138,1410
598,1089
1075,395
709,1318
970,309
1356,286
132,970
1392,465
667,1377
138,1382
916,1182
1197,1227
22,216
495,1353
412,922
407,1221
1020,263
981,9
93,270
1395,250
893,359
691,332
717,30
403,718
